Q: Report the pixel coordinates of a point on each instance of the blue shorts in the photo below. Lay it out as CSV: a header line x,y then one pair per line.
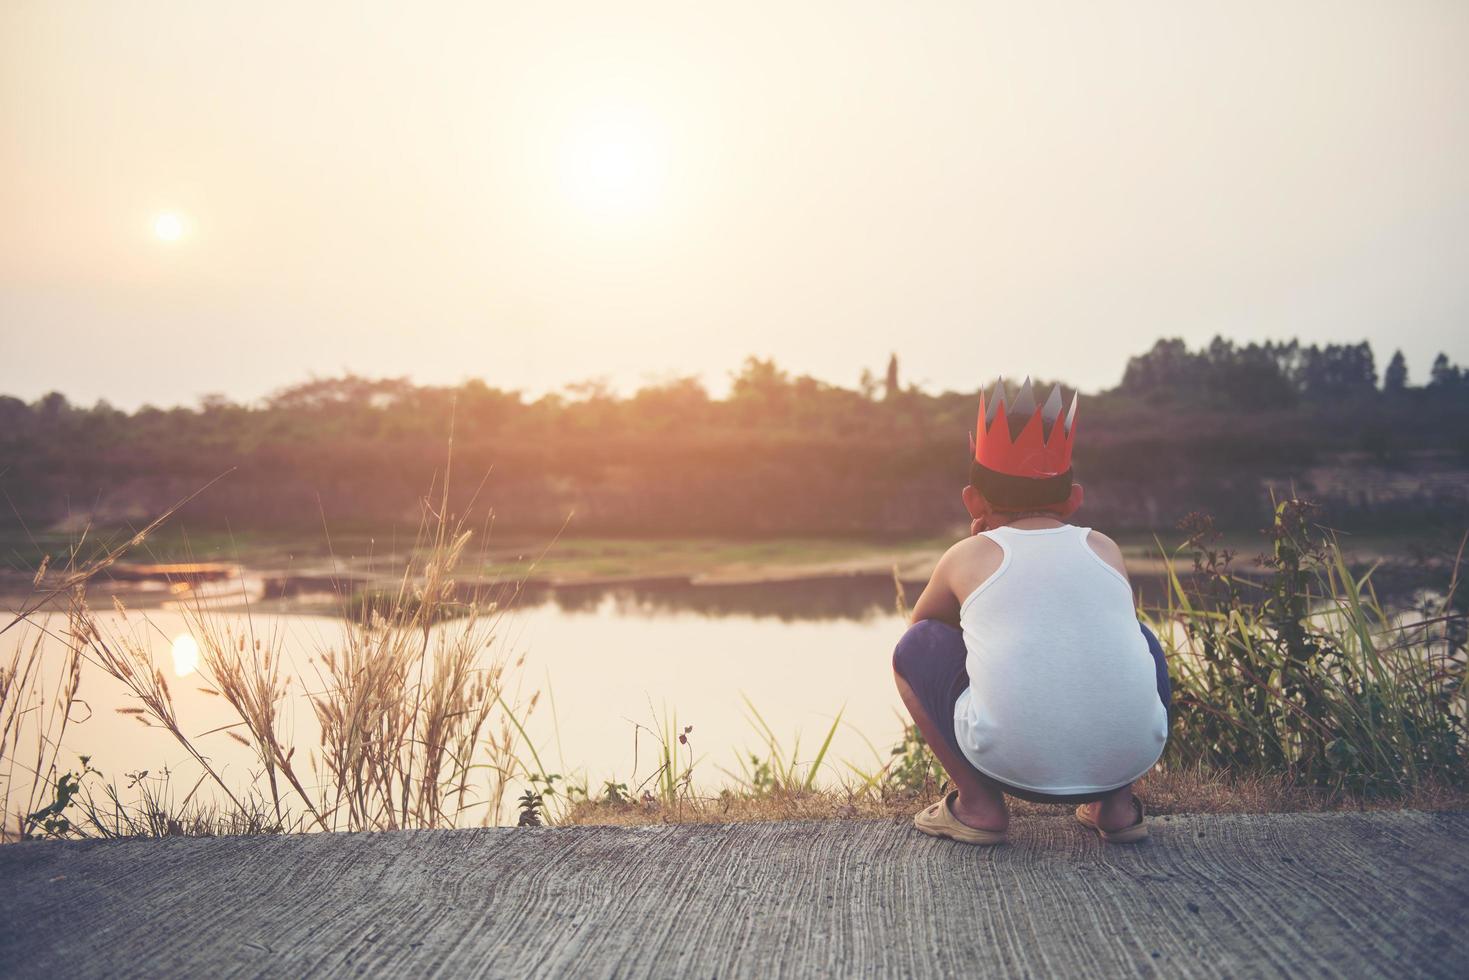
x,y
931,660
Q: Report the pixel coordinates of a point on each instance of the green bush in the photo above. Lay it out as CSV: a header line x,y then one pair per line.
x,y
1300,672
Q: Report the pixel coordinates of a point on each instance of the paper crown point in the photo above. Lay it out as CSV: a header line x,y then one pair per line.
x,y
1016,438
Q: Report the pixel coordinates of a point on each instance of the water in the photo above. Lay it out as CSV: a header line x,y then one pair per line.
x,y
606,661
611,663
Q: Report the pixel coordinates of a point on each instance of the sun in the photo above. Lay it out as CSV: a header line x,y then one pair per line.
x,y
168,226
614,163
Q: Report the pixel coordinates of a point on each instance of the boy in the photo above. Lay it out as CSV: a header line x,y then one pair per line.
x,y
1025,668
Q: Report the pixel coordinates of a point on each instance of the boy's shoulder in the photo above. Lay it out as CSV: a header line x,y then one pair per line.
x,y
972,547
1107,550
970,561
976,547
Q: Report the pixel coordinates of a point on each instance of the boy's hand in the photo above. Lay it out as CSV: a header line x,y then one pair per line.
x,y
977,525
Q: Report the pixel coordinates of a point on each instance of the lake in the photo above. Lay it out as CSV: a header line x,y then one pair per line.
x,y
606,659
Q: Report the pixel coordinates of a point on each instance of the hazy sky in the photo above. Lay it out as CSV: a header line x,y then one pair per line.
x,y
536,194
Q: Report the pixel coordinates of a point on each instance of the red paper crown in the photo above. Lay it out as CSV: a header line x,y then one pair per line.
x,y
1017,440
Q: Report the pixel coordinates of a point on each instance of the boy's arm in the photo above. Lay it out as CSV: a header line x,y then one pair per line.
x,y
958,573
938,600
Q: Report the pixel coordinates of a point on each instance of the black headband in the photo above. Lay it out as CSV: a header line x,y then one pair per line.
x,y
1005,490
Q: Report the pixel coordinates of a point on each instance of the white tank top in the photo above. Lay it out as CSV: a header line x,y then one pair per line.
x,y
1063,695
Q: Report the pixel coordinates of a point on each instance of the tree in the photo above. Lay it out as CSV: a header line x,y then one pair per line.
x,y
486,407
1444,376
670,404
1166,371
53,405
348,391
1395,378
890,383
14,414
1336,371
597,390
760,391
1250,377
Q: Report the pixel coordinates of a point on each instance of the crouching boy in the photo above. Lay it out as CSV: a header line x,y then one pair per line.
x,y
1025,667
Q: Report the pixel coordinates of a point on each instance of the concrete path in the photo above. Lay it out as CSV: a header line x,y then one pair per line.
x,y
1292,894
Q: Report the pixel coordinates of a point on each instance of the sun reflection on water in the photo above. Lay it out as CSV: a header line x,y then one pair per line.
x,y
185,655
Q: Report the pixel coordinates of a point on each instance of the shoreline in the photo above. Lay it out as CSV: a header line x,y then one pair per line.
x,y
170,573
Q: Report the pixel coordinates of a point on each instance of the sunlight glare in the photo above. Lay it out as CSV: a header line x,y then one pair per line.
x,y
185,655
614,163
168,227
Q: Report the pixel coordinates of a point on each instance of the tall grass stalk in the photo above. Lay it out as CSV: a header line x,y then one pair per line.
x,y
34,717
674,775
780,771
419,708
33,714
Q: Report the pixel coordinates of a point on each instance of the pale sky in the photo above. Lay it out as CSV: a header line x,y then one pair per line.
x,y
231,197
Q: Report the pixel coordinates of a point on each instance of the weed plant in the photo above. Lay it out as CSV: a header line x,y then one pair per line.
x,y
1303,674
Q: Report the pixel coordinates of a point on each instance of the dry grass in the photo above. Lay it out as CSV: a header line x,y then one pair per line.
x,y
419,718
1165,793
149,805
34,717
32,714
420,713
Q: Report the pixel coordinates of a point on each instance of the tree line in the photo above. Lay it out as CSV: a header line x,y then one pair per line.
x,y
1185,429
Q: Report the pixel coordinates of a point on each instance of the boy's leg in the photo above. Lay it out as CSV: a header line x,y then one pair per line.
x,y
1114,811
1160,667
928,666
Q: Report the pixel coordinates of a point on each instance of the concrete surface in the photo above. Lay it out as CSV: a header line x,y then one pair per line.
x,y
1290,894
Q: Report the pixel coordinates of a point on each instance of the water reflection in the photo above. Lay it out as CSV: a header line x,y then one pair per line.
x,y
185,655
859,597
846,597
